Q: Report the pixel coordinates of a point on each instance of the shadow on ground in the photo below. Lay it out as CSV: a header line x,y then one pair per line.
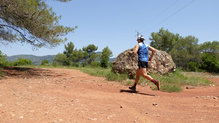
x,y
23,72
136,92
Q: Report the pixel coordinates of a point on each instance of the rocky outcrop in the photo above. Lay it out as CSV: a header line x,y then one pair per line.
x,y
127,62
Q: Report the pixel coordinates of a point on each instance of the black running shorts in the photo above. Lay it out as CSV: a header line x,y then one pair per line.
x,y
142,64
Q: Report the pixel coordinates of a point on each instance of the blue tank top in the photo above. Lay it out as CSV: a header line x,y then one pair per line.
x,y
143,52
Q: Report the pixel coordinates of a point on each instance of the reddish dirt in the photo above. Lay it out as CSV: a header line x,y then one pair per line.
x,y
66,95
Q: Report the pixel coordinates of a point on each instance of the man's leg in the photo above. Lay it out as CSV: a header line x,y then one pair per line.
x,y
136,80
137,76
148,77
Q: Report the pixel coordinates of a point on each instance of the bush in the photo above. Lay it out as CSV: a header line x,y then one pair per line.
x,y
55,63
209,63
193,66
45,62
75,64
3,61
84,64
95,64
60,59
22,61
104,58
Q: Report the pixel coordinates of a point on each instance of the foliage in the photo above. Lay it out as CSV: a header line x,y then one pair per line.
x,y
90,54
182,49
209,63
75,64
193,66
104,58
185,51
74,55
22,62
80,57
77,55
164,40
3,60
60,59
95,64
31,21
69,48
90,48
210,47
36,60
210,56
45,62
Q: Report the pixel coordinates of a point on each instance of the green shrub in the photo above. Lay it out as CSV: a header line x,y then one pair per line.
x,y
104,58
45,62
3,61
193,66
75,64
95,64
22,61
60,59
209,63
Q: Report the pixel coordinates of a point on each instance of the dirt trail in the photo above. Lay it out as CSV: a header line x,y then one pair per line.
x,y
65,95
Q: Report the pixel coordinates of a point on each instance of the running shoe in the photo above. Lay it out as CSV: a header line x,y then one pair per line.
x,y
132,88
157,84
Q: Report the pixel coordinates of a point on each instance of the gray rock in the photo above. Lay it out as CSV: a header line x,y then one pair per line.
x,y
127,62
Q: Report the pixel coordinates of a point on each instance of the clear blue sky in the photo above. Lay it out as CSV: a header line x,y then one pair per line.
x,y
114,23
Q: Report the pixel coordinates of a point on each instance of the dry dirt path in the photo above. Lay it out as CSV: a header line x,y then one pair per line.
x,y
70,96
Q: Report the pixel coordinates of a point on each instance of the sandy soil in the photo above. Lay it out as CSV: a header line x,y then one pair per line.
x,y
65,95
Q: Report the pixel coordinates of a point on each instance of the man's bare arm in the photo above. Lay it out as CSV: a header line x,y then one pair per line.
x,y
153,52
136,49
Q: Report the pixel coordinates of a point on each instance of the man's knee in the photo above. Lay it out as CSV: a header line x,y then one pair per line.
x,y
145,75
144,71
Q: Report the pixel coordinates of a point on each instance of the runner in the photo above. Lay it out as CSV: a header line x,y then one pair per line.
x,y
142,50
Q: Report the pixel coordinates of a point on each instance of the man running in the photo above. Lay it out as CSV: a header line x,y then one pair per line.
x,y
142,50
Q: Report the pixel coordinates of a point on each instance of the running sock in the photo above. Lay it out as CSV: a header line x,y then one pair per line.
x,y
154,81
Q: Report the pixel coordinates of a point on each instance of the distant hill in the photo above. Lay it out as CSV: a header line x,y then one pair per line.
x,y
112,59
36,60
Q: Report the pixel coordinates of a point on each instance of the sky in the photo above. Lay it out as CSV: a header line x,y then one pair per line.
x,y
115,23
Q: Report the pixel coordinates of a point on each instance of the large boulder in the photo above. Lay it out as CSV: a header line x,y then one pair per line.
x,y
127,62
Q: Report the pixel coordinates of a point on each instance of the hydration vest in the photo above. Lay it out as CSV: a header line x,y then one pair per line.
x,y
143,52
